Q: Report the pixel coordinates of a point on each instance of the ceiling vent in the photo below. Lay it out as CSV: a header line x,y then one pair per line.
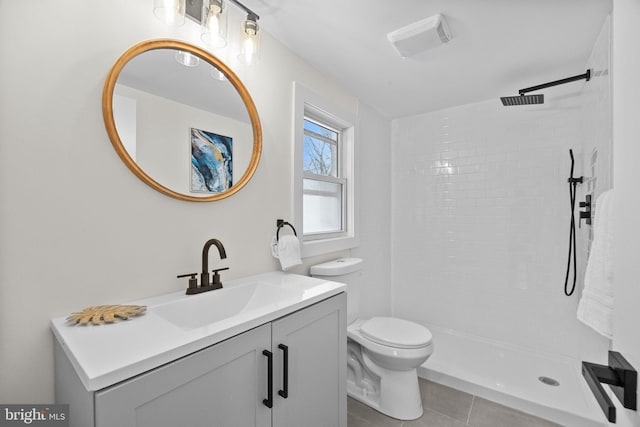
x,y
420,36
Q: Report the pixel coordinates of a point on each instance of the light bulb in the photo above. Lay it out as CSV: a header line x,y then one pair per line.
x,y
214,25
249,50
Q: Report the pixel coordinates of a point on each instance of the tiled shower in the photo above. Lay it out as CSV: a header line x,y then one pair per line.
x,y
480,214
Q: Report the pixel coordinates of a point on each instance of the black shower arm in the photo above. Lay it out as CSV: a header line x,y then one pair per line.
x,y
586,76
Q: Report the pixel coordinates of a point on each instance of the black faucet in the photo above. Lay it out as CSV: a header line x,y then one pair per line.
x,y
204,276
205,285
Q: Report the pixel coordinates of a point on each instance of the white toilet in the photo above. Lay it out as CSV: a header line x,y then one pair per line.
x,y
383,353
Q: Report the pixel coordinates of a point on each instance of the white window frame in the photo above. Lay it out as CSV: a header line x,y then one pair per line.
x,y
308,104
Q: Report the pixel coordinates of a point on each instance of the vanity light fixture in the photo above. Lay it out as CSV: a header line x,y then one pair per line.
x,y
212,17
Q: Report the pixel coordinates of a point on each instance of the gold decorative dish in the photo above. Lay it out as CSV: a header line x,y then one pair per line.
x,y
105,314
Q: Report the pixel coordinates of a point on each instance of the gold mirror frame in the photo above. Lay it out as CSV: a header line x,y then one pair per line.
x,y
107,112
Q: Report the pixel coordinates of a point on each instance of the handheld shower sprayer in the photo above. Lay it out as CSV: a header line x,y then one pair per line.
x,y
573,183
573,162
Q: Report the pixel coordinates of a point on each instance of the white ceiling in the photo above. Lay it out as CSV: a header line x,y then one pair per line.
x,y
498,46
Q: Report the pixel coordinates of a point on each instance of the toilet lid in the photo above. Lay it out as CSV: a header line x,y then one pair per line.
x,y
395,332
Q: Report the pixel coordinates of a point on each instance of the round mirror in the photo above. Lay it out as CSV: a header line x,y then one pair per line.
x,y
182,121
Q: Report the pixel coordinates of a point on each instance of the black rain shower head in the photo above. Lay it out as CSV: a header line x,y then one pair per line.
x,y
508,101
539,99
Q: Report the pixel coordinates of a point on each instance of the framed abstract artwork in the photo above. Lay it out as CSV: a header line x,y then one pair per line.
x,y
211,162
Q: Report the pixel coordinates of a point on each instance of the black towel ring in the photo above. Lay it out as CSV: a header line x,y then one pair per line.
x,y
281,223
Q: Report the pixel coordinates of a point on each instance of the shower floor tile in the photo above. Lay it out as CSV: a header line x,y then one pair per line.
x,y
447,407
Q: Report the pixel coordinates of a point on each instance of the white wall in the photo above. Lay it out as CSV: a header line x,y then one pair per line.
x,y
374,199
626,132
481,219
126,122
76,227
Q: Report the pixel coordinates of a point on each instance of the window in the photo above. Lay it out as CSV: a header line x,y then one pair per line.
x,y
324,207
323,186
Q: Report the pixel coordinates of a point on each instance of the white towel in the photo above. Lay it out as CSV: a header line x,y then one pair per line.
x,y
596,305
288,251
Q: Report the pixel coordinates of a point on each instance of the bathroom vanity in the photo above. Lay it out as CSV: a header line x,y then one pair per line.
x,y
267,350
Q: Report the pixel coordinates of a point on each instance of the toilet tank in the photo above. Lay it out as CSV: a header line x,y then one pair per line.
x,y
347,271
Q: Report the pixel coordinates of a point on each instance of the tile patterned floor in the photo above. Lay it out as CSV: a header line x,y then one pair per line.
x,y
447,407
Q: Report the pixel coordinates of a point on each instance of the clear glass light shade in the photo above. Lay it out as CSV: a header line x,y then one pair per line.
x,y
187,59
214,23
171,12
249,42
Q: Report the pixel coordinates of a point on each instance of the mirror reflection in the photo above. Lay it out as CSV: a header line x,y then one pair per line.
x,y
183,122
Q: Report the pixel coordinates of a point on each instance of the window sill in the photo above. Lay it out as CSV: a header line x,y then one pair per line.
x,y
325,246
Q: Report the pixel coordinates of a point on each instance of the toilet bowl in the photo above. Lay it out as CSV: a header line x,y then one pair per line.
x,y
383,353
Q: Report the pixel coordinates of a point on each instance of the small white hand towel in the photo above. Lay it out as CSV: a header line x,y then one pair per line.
x,y
596,305
289,252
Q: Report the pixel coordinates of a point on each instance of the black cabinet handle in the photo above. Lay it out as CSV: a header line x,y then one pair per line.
x,y
268,402
285,371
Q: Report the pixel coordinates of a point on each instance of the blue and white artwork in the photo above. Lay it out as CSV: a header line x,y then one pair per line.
x,y
211,162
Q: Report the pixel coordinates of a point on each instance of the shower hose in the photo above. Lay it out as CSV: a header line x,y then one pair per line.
x,y
573,183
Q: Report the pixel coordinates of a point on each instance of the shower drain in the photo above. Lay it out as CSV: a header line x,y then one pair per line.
x,y
549,381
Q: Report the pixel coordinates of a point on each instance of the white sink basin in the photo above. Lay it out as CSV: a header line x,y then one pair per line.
x,y
195,311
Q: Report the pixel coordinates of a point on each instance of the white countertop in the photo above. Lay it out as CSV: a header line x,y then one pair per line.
x,y
106,354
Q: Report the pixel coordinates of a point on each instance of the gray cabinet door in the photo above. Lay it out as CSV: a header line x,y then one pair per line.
x,y
315,338
221,386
